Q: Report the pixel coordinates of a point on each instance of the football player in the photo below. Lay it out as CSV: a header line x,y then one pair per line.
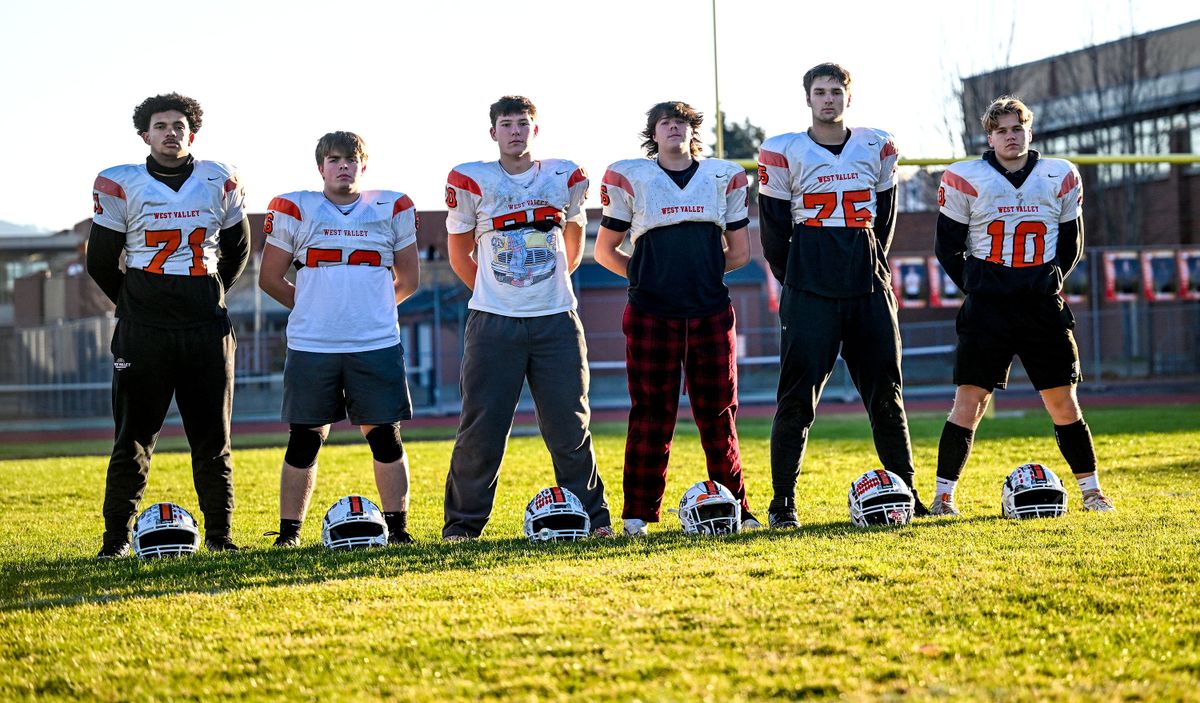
x,y
827,209
1009,233
515,234
687,219
177,226
355,256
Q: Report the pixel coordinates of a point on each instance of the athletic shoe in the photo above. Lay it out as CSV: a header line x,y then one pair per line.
x,y
114,549
290,538
636,528
603,532
220,544
749,522
782,514
944,505
1095,501
400,537
458,538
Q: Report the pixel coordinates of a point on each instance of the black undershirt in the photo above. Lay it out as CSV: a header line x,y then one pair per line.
x,y
678,271
167,300
981,277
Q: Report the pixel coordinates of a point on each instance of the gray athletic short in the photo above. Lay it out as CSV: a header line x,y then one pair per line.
x,y
370,387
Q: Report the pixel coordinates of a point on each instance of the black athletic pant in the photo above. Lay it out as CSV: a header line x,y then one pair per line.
x,y
150,364
813,328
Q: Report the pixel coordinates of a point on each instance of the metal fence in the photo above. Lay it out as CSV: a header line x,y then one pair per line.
x,y
61,373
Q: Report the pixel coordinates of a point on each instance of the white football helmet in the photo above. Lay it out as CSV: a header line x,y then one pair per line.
x,y
1032,490
556,515
165,530
354,523
708,508
880,497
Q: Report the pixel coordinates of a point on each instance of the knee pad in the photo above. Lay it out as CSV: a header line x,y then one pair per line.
x,y
303,444
385,443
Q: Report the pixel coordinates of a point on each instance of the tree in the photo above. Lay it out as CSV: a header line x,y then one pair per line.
x,y
741,140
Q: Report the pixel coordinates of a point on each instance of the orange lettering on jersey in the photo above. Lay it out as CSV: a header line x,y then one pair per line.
x,y
682,208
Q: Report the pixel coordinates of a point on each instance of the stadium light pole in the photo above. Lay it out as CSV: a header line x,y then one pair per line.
x,y
717,88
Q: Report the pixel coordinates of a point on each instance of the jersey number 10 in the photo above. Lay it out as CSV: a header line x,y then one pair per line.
x,y
1023,233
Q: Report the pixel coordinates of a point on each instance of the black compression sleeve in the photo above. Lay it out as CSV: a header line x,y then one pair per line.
x,y
950,245
104,249
235,252
775,231
614,224
1070,246
885,222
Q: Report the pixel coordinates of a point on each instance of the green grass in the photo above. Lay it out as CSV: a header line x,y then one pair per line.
x,y
1086,607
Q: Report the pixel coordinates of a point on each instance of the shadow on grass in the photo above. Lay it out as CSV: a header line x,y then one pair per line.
x,y
31,585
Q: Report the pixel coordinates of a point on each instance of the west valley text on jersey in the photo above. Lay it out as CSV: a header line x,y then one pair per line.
x,y
175,214
838,177
682,208
345,232
1002,209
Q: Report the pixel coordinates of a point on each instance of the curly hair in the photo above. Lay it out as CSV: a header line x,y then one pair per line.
x,y
667,110
163,103
1005,105
511,105
826,70
347,143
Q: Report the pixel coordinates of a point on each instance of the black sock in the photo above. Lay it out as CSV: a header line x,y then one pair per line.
x,y
953,451
397,522
287,527
1075,443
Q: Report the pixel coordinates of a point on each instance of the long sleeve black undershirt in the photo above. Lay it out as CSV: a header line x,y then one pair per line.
x,y
775,232
105,247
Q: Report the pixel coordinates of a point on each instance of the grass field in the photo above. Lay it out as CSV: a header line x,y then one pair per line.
x,y
1086,607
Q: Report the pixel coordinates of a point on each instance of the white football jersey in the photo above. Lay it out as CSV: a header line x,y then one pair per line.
x,y
827,189
518,223
345,299
169,232
1014,227
638,191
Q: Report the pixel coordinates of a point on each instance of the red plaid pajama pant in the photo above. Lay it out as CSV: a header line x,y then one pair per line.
x,y
656,348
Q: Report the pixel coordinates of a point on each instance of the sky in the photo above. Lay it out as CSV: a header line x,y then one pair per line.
x,y
415,79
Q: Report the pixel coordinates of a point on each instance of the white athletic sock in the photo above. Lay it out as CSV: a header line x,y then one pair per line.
x,y
1091,483
945,487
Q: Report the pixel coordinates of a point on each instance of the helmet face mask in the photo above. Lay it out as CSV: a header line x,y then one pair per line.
x,y
354,523
880,497
556,515
165,530
708,508
1033,491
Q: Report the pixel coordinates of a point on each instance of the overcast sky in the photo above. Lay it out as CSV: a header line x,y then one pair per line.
x,y
415,79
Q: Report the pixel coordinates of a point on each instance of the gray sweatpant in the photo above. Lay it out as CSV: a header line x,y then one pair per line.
x,y
500,354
